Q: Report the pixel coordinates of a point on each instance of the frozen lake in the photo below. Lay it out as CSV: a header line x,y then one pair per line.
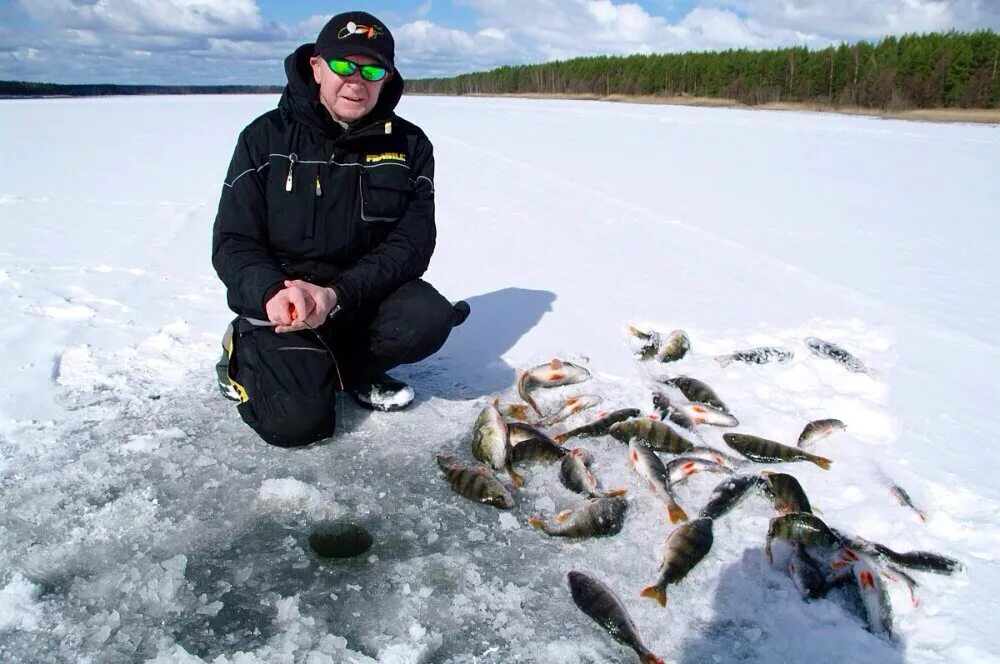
x,y
143,521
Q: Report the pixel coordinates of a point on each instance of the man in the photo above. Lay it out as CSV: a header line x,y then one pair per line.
x,y
325,224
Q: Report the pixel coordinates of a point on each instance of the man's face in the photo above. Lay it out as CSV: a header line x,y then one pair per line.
x,y
347,97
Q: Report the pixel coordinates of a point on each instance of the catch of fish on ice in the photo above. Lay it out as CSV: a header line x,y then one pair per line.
x,y
664,449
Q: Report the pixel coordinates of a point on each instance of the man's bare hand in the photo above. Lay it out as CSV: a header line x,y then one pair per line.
x,y
300,305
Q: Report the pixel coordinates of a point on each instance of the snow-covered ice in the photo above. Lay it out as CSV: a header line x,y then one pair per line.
x,y
142,521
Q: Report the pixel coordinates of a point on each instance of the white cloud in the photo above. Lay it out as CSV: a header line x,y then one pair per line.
x,y
193,17
228,41
851,20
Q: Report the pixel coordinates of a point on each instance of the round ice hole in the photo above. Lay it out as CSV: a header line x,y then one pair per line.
x,y
339,539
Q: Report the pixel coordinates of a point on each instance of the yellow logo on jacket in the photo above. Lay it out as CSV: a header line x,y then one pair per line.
x,y
375,158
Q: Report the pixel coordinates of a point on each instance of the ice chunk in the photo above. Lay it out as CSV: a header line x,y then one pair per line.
x,y
18,610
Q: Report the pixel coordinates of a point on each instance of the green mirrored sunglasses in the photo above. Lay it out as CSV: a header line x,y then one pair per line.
x,y
343,67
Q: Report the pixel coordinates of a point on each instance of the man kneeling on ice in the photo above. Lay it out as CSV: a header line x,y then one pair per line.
x,y
325,225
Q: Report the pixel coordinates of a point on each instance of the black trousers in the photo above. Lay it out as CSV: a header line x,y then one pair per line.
x,y
288,382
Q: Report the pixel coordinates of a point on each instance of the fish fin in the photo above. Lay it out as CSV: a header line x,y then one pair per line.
x,y
654,416
866,580
556,363
537,522
616,492
767,552
562,516
650,658
822,462
676,513
816,510
723,360
657,593
560,438
514,477
921,514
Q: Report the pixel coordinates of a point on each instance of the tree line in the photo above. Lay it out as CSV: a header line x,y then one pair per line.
x,y
26,89
952,69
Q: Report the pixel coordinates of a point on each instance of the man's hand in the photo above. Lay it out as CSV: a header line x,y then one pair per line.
x,y
300,305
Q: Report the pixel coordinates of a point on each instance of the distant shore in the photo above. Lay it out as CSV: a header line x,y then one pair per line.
x,y
973,115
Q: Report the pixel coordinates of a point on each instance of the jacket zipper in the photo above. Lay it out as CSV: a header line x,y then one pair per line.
x,y
292,158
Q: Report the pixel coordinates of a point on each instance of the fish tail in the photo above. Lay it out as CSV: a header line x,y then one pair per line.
x,y
676,513
822,462
523,383
723,360
560,438
656,592
616,492
537,522
921,514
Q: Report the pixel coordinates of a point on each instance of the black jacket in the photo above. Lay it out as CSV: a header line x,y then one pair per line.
x,y
304,198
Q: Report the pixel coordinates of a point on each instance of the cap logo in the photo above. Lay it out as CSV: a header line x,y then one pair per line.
x,y
352,28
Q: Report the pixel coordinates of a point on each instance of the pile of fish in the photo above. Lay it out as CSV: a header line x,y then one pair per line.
x,y
666,448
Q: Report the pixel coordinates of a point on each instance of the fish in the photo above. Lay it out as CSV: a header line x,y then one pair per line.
x,y
490,443
806,573
602,516
604,607
696,391
670,349
760,355
703,414
574,473
899,493
924,561
600,426
834,352
802,528
683,548
874,597
475,482
657,435
727,494
786,492
553,374
649,467
681,468
572,406
768,451
817,430
515,411
542,450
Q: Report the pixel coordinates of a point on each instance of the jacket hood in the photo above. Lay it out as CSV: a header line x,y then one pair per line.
x,y
300,98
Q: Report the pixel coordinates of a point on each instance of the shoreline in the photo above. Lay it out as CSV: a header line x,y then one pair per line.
x,y
988,116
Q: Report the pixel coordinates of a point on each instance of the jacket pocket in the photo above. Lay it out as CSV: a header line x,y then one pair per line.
x,y
385,193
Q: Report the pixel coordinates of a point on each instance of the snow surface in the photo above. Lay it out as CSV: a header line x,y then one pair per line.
x,y
142,521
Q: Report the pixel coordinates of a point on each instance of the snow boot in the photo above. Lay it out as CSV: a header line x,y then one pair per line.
x,y
385,393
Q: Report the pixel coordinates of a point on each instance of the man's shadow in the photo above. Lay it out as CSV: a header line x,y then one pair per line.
x,y
470,364
759,616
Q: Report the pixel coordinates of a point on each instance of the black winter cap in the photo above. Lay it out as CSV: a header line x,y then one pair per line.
x,y
353,33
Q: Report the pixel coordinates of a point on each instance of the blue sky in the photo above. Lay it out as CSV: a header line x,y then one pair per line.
x,y
245,41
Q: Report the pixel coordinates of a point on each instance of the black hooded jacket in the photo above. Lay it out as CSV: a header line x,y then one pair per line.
x,y
304,198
